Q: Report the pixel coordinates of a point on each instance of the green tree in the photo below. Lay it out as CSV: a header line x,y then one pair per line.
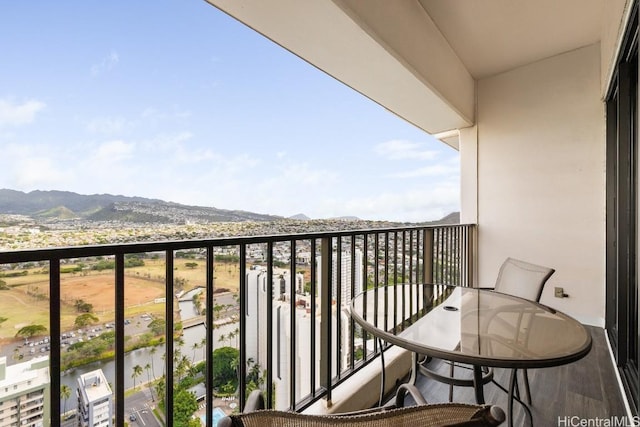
x,y
223,365
161,389
157,325
194,347
137,371
133,261
182,367
65,393
184,405
82,306
254,372
153,351
147,368
217,310
30,331
85,319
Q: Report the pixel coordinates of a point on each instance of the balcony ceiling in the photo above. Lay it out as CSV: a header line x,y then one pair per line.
x,y
492,36
420,59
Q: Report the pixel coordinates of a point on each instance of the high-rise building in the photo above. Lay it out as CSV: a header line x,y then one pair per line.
x,y
95,404
284,357
24,393
350,275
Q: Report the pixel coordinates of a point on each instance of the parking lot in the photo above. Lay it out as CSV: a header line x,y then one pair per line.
x,y
20,350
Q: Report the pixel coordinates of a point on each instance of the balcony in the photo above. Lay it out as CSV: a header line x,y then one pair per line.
x,y
548,174
336,363
329,269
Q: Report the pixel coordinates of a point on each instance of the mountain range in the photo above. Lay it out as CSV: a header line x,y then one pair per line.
x,y
65,205
43,206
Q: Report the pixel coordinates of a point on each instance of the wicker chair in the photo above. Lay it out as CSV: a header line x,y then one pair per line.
x,y
437,415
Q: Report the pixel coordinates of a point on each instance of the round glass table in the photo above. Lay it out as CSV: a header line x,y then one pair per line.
x,y
476,326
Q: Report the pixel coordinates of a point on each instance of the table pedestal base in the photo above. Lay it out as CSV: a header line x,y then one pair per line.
x,y
478,381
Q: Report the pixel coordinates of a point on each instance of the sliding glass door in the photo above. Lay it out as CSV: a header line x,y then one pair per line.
x,y
623,214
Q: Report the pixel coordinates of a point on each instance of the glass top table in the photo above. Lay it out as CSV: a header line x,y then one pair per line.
x,y
471,325
476,326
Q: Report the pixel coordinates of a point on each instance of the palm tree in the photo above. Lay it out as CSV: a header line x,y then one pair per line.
x,y
137,371
161,388
147,367
65,393
182,367
151,353
236,334
195,346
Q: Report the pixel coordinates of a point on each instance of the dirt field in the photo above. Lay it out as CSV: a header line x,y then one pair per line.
x,y
225,275
142,286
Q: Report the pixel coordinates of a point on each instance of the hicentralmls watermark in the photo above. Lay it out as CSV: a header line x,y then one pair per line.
x,y
576,421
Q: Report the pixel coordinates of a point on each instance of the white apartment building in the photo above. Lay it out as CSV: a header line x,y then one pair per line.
x,y
95,403
346,275
301,358
24,393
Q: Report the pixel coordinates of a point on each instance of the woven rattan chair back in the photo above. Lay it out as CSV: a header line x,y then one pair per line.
x,y
436,415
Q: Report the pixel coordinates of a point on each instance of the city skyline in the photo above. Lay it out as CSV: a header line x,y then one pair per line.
x,y
177,101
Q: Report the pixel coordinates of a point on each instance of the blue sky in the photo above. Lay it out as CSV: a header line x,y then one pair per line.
x,y
172,99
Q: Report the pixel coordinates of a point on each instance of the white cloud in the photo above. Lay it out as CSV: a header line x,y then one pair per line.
x,y
113,151
155,116
281,188
19,114
107,125
106,64
167,142
412,205
447,169
34,167
42,171
400,149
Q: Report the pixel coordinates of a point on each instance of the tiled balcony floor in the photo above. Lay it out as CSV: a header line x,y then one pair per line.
x,y
587,389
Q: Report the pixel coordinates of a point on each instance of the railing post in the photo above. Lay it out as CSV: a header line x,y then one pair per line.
x,y
54,325
427,256
210,273
471,256
325,316
169,334
119,340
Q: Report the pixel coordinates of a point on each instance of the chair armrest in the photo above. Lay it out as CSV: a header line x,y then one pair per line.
x,y
255,401
491,415
403,389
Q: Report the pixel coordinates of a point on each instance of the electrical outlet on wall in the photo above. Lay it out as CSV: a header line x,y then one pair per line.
x,y
559,293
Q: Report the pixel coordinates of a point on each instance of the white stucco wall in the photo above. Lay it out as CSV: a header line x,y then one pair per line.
x,y
541,176
615,16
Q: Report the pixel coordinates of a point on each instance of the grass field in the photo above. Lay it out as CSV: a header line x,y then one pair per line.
x,y
27,301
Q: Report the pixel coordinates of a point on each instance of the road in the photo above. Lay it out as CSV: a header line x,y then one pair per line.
x,y
141,406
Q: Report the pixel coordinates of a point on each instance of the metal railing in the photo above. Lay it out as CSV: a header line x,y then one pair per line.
x,y
291,313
